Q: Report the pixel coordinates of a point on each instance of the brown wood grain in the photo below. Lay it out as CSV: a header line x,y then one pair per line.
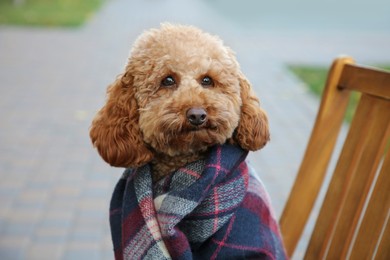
x,y
342,218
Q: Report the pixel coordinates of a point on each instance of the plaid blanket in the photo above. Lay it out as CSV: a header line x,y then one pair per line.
x,y
211,209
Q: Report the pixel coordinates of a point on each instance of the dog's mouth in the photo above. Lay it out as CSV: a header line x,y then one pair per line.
x,y
209,127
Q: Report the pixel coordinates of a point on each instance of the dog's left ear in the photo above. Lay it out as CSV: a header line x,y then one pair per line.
x,y
252,132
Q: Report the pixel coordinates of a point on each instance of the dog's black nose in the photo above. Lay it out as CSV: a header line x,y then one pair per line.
x,y
196,116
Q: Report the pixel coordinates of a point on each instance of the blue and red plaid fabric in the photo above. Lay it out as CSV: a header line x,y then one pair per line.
x,y
211,209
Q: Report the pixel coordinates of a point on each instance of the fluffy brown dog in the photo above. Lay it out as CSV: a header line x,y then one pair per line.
x,y
181,93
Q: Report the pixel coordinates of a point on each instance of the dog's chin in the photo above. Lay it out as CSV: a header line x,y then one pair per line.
x,y
191,140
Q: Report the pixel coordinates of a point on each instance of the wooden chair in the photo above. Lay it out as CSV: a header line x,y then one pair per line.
x,y
354,220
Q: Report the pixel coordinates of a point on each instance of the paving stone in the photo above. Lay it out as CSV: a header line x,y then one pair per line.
x,y
82,250
45,250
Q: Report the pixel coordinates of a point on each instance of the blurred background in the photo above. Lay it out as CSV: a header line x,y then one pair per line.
x,y
58,56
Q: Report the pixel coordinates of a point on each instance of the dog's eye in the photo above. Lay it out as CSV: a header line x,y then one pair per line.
x,y
207,81
168,81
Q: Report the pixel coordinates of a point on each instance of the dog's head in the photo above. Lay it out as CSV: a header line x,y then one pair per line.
x,y
182,91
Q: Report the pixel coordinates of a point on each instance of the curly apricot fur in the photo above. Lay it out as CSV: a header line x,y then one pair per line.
x,y
145,121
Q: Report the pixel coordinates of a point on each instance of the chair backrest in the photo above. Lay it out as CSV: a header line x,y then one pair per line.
x,y
353,222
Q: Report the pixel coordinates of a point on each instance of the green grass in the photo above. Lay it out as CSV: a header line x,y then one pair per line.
x,y
69,13
315,77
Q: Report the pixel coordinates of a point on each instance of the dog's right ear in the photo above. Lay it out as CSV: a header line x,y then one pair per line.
x,y
115,131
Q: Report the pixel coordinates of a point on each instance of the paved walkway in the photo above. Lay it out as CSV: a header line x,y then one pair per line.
x,y
54,188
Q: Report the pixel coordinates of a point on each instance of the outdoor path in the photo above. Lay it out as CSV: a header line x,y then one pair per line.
x,y
55,189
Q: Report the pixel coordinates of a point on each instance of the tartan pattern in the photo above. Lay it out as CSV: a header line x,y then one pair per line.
x,y
209,209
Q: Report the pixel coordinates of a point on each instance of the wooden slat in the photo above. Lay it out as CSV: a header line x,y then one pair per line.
x,y
358,186
316,158
350,155
375,217
373,82
383,251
